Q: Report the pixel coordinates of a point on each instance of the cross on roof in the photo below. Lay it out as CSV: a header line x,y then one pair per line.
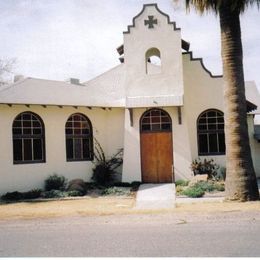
x,y
150,21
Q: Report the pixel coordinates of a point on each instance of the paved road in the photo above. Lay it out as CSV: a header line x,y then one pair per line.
x,y
221,234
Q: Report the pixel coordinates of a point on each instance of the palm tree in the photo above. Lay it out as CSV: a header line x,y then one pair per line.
x,y
241,181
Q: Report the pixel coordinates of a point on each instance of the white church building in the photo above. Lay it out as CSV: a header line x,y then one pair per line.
x,y
160,104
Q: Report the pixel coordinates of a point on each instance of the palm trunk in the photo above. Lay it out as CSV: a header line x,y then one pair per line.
x,y
240,176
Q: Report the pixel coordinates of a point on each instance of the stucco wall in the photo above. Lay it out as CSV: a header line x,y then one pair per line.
x,y
201,92
137,42
107,128
255,146
132,157
204,93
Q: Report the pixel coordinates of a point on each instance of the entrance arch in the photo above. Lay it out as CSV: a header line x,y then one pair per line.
x,y
156,146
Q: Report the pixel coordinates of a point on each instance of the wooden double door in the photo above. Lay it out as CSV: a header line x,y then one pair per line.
x,y
156,147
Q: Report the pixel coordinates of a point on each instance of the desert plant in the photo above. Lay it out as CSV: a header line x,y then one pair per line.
x,y
32,194
104,170
54,194
207,186
221,174
219,186
193,192
74,193
55,182
205,166
182,183
12,196
179,190
122,184
115,191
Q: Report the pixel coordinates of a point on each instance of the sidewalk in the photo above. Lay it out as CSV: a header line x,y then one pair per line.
x,y
163,196
155,196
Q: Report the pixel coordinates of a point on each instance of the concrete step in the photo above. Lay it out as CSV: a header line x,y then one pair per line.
x,y
155,196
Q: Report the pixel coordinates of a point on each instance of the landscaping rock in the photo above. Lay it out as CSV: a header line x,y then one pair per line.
x,y
197,178
78,185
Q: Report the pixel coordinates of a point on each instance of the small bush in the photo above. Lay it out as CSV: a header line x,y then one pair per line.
x,y
54,194
74,193
221,174
179,189
210,186
102,175
115,191
205,167
12,196
193,192
122,184
32,194
55,182
182,183
91,185
205,185
104,172
219,186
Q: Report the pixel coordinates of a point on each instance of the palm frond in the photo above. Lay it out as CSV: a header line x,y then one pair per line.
x,y
203,6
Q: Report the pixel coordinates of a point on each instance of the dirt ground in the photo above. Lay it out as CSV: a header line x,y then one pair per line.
x,y
110,205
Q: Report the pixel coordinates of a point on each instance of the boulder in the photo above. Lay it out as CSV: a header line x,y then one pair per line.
x,y
197,178
78,185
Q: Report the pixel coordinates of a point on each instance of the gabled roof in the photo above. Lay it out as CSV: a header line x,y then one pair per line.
x,y
106,90
252,97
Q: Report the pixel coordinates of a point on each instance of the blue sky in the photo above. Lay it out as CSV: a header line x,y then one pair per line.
x,y
58,39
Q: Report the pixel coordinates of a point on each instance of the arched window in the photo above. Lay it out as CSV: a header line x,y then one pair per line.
x,y
155,120
28,139
211,136
79,141
153,61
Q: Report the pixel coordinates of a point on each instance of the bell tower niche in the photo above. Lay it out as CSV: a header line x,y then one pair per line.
x,y
153,60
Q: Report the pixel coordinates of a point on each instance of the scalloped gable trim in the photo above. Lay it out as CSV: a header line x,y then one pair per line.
x,y
156,7
202,64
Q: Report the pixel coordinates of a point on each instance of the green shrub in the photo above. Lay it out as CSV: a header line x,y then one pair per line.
x,y
55,182
210,186
122,184
102,174
104,171
205,185
219,186
54,194
115,191
193,192
12,196
182,183
32,194
74,193
179,189
205,167
221,174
